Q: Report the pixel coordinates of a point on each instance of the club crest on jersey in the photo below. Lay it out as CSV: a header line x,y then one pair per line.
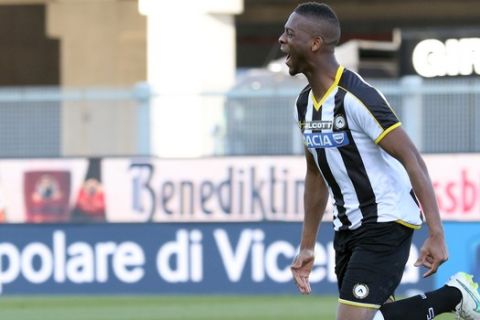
x,y
339,122
360,291
318,140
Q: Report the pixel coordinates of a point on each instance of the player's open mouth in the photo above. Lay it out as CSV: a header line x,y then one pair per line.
x,y
287,60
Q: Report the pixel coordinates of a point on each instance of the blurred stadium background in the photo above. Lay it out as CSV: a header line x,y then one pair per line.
x,y
150,167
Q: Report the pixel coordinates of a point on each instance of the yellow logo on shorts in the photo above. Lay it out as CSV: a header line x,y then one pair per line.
x,y
360,291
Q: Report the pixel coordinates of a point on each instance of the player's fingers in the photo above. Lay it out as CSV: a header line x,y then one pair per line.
x,y
428,274
304,285
298,280
427,264
424,258
309,288
431,270
436,262
419,261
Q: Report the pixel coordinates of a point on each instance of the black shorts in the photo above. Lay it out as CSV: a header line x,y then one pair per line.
x,y
369,262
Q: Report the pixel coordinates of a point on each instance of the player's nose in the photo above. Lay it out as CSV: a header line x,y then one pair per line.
x,y
282,39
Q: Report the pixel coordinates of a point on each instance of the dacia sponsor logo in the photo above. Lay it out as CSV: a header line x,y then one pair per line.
x,y
316,125
318,140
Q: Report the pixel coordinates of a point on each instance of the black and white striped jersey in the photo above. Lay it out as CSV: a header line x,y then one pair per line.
x,y
342,131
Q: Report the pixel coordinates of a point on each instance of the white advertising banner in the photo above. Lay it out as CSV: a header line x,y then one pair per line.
x,y
204,190
227,189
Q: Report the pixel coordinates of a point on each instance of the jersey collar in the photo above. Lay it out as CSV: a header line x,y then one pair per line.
x,y
338,75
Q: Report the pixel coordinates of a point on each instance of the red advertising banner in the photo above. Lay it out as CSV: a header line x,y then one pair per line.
x,y
456,180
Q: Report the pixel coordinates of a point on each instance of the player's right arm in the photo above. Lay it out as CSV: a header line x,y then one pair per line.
x,y
315,201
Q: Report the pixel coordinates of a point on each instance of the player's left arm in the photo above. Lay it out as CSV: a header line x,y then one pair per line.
x,y
434,251
373,115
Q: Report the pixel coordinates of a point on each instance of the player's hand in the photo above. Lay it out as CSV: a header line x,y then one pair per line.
x,y
301,267
433,254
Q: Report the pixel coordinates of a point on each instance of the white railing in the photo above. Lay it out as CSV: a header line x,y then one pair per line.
x,y
257,119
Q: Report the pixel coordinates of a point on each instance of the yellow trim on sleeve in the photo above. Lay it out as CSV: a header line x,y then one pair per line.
x,y
318,104
408,225
358,304
387,131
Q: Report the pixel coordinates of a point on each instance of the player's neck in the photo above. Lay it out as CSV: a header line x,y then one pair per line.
x,y
322,76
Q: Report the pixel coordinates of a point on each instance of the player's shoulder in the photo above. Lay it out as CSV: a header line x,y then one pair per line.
x,y
363,91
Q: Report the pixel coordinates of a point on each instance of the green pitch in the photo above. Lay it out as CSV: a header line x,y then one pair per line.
x,y
170,308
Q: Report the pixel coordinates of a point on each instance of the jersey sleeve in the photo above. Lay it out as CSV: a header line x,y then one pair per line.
x,y
373,116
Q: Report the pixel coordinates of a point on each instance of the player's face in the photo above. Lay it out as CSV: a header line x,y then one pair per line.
x,y
295,41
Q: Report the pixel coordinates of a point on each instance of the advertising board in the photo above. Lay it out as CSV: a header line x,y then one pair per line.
x,y
236,189
187,258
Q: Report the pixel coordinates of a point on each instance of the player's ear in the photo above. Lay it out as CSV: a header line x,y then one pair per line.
x,y
317,43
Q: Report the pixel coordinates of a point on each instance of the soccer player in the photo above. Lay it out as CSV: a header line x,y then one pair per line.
x,y
356,148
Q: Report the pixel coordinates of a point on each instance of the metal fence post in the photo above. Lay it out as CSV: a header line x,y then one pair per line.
x,y
412,107
143,95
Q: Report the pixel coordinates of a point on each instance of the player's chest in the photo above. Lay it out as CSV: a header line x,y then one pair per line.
x,y
325,127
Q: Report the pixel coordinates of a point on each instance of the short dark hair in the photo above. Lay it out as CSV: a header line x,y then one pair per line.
x,y
323,13
320,10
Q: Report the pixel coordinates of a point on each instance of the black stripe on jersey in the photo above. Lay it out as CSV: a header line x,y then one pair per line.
x,y
302,103
355,167
370,97
414,197
327,174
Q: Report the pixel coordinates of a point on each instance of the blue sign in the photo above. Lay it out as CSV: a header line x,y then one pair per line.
x,y
234,258
463,241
